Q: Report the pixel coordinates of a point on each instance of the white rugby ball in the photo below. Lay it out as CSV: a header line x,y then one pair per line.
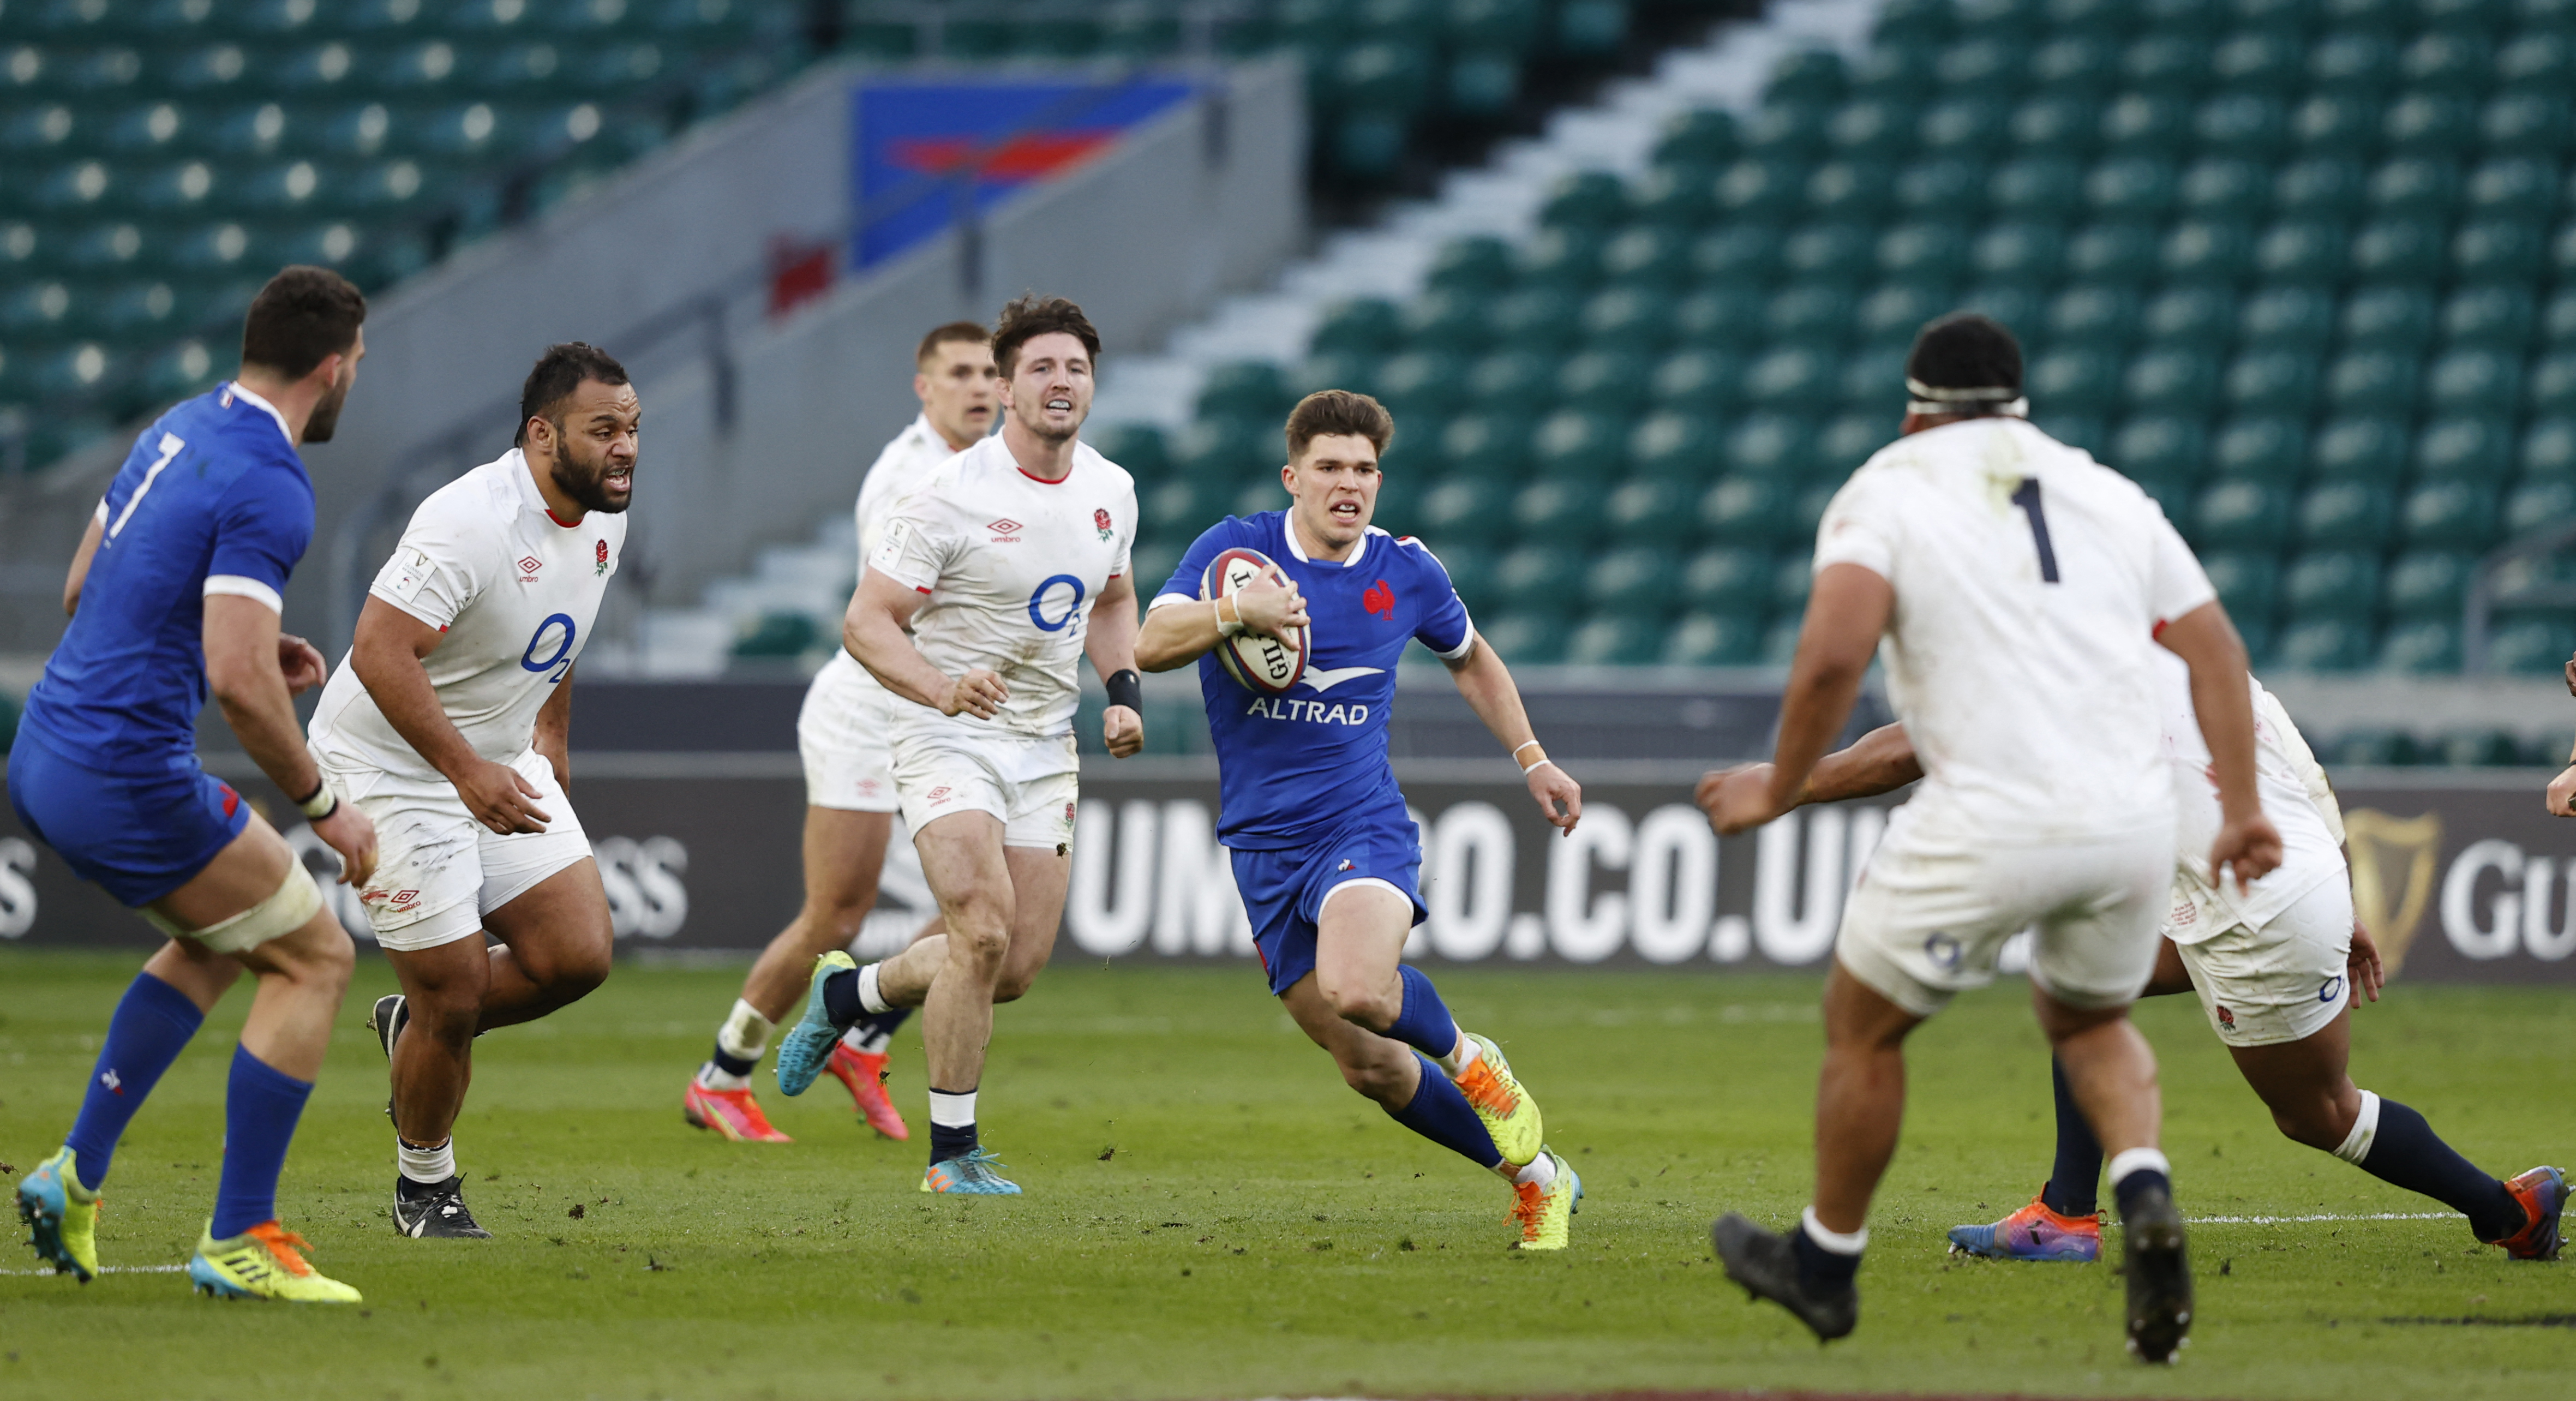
x,y
1263,664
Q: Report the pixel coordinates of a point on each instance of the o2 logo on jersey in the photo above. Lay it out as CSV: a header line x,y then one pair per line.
x,y
558,661
1038,603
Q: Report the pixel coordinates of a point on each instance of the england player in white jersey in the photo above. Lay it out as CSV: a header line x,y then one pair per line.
x,y
450,725
986,589
843,735
2279,966
2016,583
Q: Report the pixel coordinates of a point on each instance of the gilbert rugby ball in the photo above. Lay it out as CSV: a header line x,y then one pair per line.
x,y
1263,664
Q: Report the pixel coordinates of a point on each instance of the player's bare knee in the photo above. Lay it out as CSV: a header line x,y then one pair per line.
x,y
1372,1008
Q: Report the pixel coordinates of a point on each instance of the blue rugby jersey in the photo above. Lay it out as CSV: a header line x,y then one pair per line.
x,y
213,499
1292,769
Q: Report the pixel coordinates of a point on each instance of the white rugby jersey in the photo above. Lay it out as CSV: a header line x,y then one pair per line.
x,y
485,562
2029,580
2295,797
905,462
1012,566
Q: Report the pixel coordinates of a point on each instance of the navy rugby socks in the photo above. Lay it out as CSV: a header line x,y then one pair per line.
x,y
1439,1112
2075,1179
952,1125
2393,1143
261,1106
152,1025
1423,1022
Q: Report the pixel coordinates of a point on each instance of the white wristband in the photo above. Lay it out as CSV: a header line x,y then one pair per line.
x,y
1216,610
1524,744
1533,768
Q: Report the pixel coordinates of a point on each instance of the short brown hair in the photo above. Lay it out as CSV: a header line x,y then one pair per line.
x,y
304,316
954,333
1033,316
1329,412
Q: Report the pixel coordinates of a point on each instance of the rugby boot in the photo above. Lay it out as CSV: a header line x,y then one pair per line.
x,y
1509,1114
2543,1194
265,1262
1766,1265
733,1114
2159,1275
1546,1214
977,1174
2033,1233
434,1211
62,1216
807,1046
865,1073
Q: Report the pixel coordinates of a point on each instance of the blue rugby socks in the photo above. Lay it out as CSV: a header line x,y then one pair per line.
x,y
2075,1179
260,1109
1439,1112
871,1034
152,1025
952,1125
1423,1021
2393,1143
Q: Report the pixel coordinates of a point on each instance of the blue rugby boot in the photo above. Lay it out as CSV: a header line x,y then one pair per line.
x,y
61,1217
807,1046
2033,1233
975,1175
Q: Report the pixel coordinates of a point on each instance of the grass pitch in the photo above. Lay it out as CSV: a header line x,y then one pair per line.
x,y
1211,1214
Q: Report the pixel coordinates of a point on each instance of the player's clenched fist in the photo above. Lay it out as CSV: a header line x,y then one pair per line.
x,y
500,797
979,693
1123,730
1736,799
2248,846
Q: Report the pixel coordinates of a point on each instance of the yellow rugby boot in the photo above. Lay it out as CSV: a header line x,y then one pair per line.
x,y
1546,1214
61,1216
1508,1112
265,1262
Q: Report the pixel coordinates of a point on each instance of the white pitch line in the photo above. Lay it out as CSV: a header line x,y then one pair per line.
x,y
2290,1220
113,1270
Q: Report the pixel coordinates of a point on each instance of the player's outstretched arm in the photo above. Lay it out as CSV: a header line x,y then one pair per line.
x,y
243,670
2206,641
876,631
1180,632
386,655
1846,612
1110,642
1881,761
1487,684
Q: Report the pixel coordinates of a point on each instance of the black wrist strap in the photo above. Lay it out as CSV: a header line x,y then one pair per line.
x,y
1126,688
319,783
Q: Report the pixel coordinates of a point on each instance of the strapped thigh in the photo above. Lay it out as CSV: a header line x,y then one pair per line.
x,y
296,900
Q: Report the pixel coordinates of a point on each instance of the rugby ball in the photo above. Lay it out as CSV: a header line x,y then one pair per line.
x,y
1263,664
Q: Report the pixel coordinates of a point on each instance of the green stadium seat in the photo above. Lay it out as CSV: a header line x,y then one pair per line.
x,y
1334,369
2081,64
1747,510
1793,379
1740,254
1138,447
1704,138
2480,748
1656,511
2492,249
1466,509
1183,505
2340,584
1675,197
2540,59
2248,582
2428,584
2330,124
1893,313
2514,188
1873,377
2132,187
1674,447
2302,251
1471,570
1481,264
1787,130
1368,325
1849,438
2448,61
1539,578
1648,256
2240,514
1770,445
1981,62
2012,303
1540,318
1700,381
2147,123
2047,190
1941,188
2163,447
1913,257
1526,639
2538,505
2276,380
1566,256
1423,382
2474,383
2224,187
2056,121
2388,318
1828,253
1512,381
2422,123
2548,450
2526,124
1482,83
2492,316
1614,382
1729,579
2030,254
1631,579
2206,250
2165,62
1628,318
2376,382
1615,639
1243,389
1562,510
2270,450
1253,497
2293,317
2449,516
2266,62
1513,25
2325,187
1849,193
2091,432
1962,125
1591,199
2079,380
2372,451
2172,380
2248,125
1807,75
2122,252
1572,445
1713,639
1494,446
1871,130
1715,317
1812,313
2323,644
2197,318
1758,189
2350,61
2345,515
2550,389
2531,647
2373,747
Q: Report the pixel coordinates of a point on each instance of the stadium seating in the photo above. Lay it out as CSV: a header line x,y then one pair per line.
x,y
2294,265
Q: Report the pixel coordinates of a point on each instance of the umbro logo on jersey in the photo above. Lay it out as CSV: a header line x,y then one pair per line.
x,y
1006,531
1379,600
941,795
528,567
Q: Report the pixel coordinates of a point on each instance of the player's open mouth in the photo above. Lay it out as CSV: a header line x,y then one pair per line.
x,y
1348,511
1059,405
619,481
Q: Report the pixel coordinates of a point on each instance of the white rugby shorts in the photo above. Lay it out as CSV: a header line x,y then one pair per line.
x,y
2282,982
1032,785
1934,908
843,733
438,870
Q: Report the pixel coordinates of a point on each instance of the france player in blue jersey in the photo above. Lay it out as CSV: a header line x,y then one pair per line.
x,y
1325,857
176,592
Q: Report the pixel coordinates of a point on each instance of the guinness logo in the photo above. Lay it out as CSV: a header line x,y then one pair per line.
x,y
2392,875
